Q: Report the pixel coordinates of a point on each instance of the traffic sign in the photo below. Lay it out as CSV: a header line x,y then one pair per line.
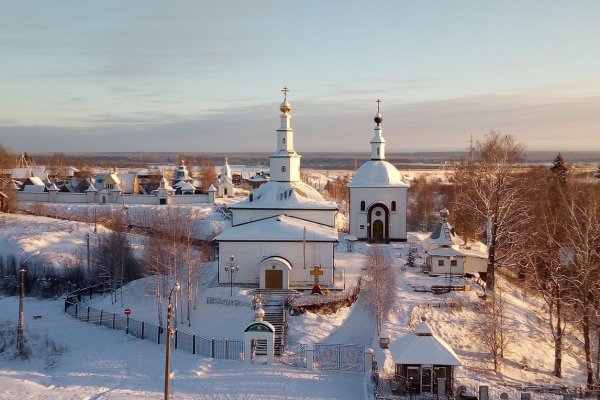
x,y
127,311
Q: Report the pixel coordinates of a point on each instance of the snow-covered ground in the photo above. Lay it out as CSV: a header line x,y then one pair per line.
x,y
75,360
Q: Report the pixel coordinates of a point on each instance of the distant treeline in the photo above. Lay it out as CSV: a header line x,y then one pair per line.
x,y
324,160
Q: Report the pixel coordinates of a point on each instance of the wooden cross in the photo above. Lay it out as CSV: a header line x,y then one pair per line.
x,y
316,271
378,101
285,91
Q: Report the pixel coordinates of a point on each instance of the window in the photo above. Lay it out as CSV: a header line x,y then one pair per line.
x,y
362,227
283,168
377,150
440,263
362,205
283,140
393,206
453,263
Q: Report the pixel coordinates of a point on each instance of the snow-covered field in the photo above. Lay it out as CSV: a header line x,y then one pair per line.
x,y
75,360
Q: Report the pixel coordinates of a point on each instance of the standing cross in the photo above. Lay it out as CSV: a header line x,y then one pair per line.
x,y
316,271
378,101
285,91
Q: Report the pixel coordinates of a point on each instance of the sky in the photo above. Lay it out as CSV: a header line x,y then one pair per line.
x,y
205,76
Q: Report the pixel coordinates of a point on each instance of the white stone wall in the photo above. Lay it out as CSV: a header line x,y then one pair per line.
x,y
385,195
242,215
248,255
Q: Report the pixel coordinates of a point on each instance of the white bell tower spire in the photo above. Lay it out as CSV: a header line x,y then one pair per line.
x,y
285,162
378,142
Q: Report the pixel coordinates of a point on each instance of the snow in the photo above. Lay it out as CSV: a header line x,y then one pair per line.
x,y
377,173
76,360
279,228
286,195
416,348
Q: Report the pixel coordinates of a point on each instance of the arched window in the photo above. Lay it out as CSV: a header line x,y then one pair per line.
x,y
283,140
362,205
283,168
393,206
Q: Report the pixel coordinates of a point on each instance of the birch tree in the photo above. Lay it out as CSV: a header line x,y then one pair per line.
x,y
379,286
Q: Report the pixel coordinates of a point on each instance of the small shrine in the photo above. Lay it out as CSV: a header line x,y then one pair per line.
x,y
259,339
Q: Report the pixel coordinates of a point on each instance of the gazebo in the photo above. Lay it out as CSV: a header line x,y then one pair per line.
x,y
424,363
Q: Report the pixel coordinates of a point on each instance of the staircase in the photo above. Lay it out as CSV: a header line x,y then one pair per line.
x,y
273,302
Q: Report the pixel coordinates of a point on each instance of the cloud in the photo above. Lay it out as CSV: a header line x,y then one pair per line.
x,y
561,124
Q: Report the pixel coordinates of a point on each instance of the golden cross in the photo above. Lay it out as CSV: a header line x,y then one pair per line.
x,y
285,91
316,271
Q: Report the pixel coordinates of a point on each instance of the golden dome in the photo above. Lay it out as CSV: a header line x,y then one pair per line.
x,y
285,107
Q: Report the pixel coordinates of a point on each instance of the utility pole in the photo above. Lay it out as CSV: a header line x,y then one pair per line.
x,y
21,326
20,337
168,343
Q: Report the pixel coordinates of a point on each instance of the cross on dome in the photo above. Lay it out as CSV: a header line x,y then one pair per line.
x,y
285,91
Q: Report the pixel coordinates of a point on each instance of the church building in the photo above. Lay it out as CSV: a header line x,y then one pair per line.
x,y
283,234
377,210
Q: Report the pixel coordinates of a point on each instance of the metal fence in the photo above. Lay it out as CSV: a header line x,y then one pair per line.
x,y
326,356
214,348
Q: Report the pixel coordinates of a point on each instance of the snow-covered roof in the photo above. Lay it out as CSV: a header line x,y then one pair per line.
x,y
377,173
286,195
280,228
446,252
443,234
184,186
422,347
26,172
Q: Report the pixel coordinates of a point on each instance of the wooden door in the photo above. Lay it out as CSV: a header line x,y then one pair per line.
x,y
273,279
378,230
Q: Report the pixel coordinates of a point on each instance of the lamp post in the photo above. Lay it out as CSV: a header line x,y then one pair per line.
x,y
232,268
20,328
168,349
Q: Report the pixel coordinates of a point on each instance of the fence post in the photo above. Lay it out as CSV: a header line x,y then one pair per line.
x,y
226,349
76,306
87,319
127,327
309,359
212,345
142,330
158,334
113,324
175,338
193,344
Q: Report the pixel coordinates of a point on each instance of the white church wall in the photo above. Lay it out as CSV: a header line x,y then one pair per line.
x,y
243,215
188,199
71,198
385,195
248,256
41,197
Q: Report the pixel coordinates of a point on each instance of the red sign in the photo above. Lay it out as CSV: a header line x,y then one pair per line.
x,y
127,311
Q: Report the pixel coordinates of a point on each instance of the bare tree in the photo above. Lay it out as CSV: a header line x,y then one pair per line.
x,y
422,203
207,173
494,329
488,190
379,285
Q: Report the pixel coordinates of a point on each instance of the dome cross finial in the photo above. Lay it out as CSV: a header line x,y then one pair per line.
x,y
285,91
378,101
378,118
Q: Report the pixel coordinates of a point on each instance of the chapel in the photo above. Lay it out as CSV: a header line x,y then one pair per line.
x,y
377,209
283,235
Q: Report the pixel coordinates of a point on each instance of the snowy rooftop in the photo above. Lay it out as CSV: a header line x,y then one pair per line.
x,y
446,252
286,195
280,228
443,234
422,347
377,173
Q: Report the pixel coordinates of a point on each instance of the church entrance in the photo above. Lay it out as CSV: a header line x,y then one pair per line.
x,y
273,279
274,273
378,221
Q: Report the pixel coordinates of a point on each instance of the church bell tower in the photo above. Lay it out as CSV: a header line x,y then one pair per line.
x,y
285,162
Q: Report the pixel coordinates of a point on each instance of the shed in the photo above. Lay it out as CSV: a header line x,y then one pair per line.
x,y
423,362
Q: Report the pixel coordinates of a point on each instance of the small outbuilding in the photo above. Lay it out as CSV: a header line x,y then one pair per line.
x,y
424,363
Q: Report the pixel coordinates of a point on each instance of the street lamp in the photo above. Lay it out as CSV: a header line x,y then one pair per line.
x,y
20,336
168,350
232,268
